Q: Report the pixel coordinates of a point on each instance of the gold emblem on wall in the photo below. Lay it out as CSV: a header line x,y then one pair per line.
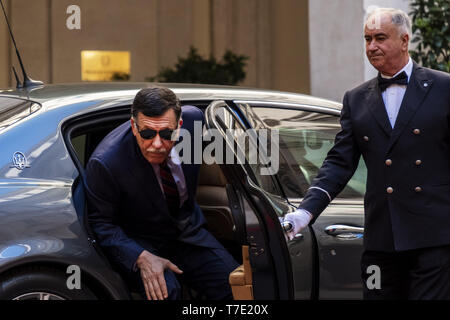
x,y
102,65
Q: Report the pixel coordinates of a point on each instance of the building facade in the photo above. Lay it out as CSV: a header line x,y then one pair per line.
x,y
313,47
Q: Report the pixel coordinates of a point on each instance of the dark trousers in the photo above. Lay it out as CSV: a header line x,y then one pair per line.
x,y
205,270
421,274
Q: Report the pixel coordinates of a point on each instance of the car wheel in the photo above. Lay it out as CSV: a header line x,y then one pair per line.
x,y
40,283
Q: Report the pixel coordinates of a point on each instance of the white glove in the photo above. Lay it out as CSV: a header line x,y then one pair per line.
x,y
299,219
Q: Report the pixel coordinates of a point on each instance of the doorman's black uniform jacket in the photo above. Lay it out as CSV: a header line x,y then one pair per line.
x,y
407,202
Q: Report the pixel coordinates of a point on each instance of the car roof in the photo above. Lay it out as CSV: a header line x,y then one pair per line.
x,y
192,92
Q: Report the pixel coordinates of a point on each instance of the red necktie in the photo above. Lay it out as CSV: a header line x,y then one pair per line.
x,y
170,189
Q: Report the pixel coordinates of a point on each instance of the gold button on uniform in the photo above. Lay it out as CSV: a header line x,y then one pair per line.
x,y
418,189
416,131
388,162
418,162
390,190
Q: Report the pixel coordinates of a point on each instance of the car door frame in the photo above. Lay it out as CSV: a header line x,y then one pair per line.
x,y
269,254
345,215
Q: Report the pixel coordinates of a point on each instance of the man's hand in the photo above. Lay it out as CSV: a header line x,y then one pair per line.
x,y
152,273
299,219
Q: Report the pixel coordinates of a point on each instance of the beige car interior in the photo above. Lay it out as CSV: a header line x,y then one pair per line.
x,y
213,199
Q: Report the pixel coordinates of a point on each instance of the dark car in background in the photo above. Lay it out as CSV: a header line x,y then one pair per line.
x,y
47,134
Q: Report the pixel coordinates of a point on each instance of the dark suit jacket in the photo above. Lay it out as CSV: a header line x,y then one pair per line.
x,y
126,206
417,212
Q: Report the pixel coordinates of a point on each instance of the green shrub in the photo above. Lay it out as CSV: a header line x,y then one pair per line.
x,y
196,69
431,19
120,76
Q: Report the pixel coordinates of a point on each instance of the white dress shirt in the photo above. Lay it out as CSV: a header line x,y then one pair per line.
x,y
174,164
393,95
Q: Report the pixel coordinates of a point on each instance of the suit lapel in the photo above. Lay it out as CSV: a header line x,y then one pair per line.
x,y
418,87
145,177
375,104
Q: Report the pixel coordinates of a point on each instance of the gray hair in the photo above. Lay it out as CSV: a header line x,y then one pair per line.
x,y
399,18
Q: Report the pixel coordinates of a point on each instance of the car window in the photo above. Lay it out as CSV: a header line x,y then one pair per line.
x,y
13,110
307,137
242,143
88,134
79,145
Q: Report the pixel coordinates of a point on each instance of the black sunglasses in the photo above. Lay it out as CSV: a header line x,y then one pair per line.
x,y
147,134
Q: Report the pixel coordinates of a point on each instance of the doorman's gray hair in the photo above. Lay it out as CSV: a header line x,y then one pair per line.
x,y
399,18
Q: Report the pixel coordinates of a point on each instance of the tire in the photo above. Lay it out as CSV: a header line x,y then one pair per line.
x,y
40,283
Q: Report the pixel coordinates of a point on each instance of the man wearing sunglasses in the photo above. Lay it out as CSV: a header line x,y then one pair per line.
x,y
142,204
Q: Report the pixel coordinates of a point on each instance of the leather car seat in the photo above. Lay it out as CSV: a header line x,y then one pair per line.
x,y
241,279
213,200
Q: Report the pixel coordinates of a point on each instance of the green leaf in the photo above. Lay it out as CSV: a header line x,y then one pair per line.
x,y
430,23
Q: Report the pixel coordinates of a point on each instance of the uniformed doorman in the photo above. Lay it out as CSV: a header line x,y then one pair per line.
x,y
400,123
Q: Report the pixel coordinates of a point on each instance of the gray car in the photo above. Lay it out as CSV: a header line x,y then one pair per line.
x,y
47,133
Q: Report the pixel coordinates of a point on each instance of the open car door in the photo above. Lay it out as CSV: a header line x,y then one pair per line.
x,y
280,269
306,134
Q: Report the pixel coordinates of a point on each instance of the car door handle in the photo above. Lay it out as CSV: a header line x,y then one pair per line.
x,y
287,227
344,232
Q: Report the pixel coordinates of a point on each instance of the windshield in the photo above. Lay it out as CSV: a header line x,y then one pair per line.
x,y
13,110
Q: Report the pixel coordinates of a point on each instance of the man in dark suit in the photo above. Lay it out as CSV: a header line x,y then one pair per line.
x,y
142,203
400,123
